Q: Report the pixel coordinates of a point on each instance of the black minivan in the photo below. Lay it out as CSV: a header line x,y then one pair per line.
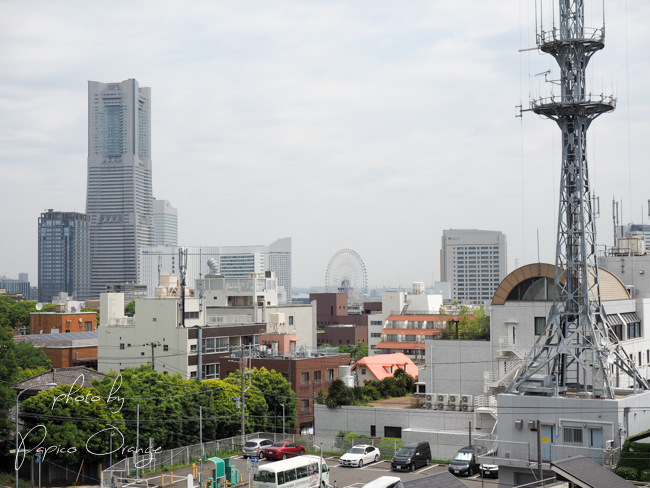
x,y
464,462
412,456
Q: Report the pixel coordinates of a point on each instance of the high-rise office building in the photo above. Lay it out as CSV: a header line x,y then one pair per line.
x,y
63,255
473,262
119,200
165,219
232,262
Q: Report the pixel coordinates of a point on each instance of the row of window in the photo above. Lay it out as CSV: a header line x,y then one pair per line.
x,y
304,377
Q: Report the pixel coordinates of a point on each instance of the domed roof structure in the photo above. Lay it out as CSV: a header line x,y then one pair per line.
x,y
534,282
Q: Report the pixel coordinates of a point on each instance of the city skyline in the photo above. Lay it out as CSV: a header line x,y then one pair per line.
x,y
329,124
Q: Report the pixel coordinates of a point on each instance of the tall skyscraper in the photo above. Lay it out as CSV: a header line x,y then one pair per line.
x,y
473,262
119,198
63,255
165,218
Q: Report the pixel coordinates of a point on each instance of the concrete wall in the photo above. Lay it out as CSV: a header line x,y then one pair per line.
x,y
446,431
457,366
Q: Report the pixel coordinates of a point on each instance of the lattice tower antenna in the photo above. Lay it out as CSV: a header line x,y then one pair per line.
x,y
577,351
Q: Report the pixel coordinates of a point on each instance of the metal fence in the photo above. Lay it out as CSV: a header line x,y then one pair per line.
x,y
124,471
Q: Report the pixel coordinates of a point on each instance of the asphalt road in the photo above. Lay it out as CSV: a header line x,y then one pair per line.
x,y
346,477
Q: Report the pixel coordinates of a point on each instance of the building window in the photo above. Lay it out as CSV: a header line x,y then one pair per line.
x,y
304,378
211,371
330,375
193,348
317,376
122,345
304,406
290,319
363,370
373,431
192,374
633,330
155,319
540,324
215,344
191,315
572,435
165,347
88,326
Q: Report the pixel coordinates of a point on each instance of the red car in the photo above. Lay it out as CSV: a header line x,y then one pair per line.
x,y
283,450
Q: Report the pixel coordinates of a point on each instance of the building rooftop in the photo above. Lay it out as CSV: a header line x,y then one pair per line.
x,y
382,364
61,339
61,376
587,474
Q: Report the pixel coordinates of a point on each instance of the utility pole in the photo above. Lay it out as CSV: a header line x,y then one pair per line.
x,y
243,398
539,450
201,441
153,345
137,442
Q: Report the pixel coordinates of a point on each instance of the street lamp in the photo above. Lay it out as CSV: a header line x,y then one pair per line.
x,y
283,435
49,385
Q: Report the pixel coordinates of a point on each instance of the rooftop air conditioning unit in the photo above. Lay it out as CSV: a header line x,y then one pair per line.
x,y
441,401
430,397
467,403
428,405
454,402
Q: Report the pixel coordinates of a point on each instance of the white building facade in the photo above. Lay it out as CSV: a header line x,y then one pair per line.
x,y
474,262
231,262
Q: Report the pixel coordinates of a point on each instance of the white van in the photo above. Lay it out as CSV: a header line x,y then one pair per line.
x,y
384,482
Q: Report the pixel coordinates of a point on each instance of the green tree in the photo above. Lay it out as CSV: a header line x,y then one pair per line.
x,y
339,394
277,390
30,357
8,373
75,419
129,308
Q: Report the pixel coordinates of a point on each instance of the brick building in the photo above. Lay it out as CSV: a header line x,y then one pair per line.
x,y
67,349
333,309
307,375
62,322
343,334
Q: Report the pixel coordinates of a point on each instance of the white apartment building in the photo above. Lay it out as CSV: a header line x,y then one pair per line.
x,y
474,262
229,315
231,262
399,303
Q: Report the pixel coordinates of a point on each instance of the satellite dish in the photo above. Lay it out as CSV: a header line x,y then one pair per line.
x,y
39,306
80,320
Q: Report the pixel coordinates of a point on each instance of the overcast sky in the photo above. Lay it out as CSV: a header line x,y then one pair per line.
x,y
369,125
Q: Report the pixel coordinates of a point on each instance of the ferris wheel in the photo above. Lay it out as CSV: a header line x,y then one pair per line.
x,y
346,273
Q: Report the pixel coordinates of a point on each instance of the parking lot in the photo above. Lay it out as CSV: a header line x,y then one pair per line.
x,y
347,477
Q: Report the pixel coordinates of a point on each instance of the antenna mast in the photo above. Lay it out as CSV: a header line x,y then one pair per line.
x,y
577,345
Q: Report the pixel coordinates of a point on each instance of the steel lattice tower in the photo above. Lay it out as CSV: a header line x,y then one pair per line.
x,y
577,350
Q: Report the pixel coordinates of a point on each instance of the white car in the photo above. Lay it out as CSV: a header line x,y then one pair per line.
x,y
360,455
384,482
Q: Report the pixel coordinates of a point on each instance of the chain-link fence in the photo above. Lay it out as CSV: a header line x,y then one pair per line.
x,y
124,471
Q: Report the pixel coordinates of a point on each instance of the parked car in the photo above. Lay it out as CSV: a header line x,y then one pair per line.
x,y
283,450
464,462
255,447
360,455
412,456
490,470
384,482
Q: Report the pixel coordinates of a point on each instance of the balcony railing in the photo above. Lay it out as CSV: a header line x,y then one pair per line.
x,y
494,450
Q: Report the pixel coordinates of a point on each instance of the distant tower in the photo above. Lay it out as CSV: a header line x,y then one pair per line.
x,y
577,351
118,198
63,255
165,223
